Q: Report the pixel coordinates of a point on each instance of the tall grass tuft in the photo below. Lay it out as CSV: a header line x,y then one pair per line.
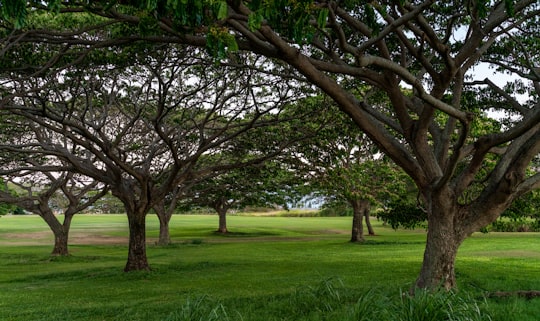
x,y
438,306
371,305
200,309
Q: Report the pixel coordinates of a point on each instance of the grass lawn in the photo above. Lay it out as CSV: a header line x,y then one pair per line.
x,y
269,268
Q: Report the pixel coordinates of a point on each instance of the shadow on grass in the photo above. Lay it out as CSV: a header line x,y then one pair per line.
x,y
372,242
245,234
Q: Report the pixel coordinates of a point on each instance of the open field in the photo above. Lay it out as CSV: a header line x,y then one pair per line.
x,y
267,269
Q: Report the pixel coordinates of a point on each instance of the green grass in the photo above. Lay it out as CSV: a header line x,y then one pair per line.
x,y
269,268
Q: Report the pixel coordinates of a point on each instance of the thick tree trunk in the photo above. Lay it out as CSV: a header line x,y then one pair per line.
x,y
357,234
222,213
443,240
137,259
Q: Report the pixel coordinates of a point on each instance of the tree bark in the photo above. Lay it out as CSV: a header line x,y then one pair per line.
x,y
357,234
371,231
137,259
164,234
222,213
164,217
443,240
60,231
61,237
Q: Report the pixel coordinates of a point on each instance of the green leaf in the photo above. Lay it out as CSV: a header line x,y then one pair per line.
x,y
255,21
509,6
223,10
322,18
151,5
232,45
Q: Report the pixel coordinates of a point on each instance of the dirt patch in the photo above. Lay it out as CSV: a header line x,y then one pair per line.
x,y
88,238
39,238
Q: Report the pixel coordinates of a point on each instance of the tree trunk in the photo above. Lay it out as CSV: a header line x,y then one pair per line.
x,y
60,244
61,237
164,234
443,241
368,222
222,213
137,259
164,217
357,234
60,231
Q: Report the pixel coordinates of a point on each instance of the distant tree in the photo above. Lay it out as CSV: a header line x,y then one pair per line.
x,y
108,204
264,185
142,129
343,166
41,188
164,209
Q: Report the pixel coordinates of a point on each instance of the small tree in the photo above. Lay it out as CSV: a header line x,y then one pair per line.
x,y
141,129
345,167
41,188
266,184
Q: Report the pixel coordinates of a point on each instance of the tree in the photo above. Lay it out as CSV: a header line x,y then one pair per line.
x,y
141,129
40,188
164,209
40,181
343,166
425,46
267,184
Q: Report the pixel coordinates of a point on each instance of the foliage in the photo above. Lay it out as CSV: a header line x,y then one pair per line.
x,y
439,306
8,208
522,216
257,185
415,53
526,206
519,225
336,208
108,204
404,214
343,166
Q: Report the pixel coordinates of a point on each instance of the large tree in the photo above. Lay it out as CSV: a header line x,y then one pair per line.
x,y
428,47
142,129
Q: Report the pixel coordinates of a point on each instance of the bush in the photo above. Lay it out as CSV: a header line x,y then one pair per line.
x,y
520,225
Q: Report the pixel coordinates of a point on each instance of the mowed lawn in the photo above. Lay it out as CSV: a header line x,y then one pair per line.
x,y
262,264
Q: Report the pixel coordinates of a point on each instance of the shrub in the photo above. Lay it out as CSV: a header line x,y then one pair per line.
x,y
519,225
